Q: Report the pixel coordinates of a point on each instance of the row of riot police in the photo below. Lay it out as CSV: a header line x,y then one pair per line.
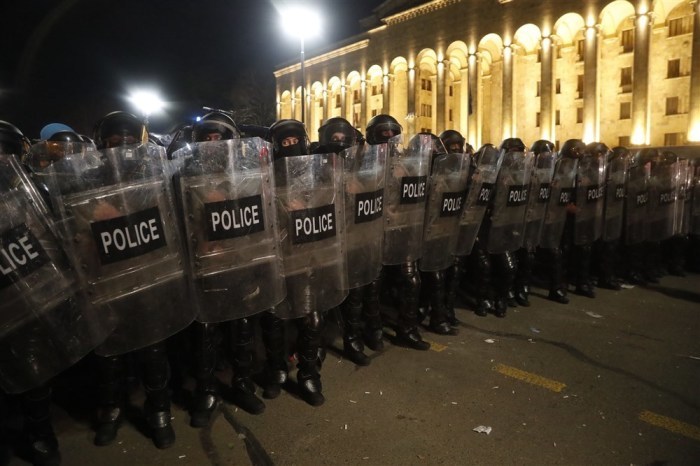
x,y
116,246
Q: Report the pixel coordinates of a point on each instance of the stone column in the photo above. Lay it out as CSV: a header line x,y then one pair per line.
x,y
694,101
590,85
463,124
411,91
640,81
507,97
546,91
386,94
474,136
363,103
440,97
343,103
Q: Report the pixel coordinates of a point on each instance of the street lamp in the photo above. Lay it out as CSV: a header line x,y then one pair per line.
x,y
303,23
147,102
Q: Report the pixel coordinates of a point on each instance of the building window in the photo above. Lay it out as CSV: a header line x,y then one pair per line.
x,y
539,55
537,120
356,119
451,91
356,96
426,130
679,26
557,117
579,114
674,68
426,110
426,84
450,115
558,86
625,110
626,79
337,100
539,89
580,49
627,40
672,106
374,112
673,139
579,86
623,141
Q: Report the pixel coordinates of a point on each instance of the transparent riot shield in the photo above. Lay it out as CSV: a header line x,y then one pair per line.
x,y
590,199
479,191
447,187
507,222
563,186
680,219
118,222
364,180
225,195
615,198
694,223
637,203
42,329
310,210
663,191
540,192
405,195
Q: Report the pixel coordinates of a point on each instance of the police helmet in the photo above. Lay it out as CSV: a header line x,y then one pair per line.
x,y
381,128
512,145
573,148
337,133
453,140
118,129
289,138
215,126
541,146
12,141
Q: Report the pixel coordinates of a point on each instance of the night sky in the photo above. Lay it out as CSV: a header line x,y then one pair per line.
x,y
72,61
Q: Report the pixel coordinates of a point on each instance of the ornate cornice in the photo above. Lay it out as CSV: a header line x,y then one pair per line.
x,y
418,11
324,57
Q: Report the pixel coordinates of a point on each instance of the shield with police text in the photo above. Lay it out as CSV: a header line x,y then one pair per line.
x,y
225,193
43,330
615,198
406,192
540,192
118,222
507,222
681,216
663,192
310,211
590,192
637,203
480,188
364,180
563,187
447,191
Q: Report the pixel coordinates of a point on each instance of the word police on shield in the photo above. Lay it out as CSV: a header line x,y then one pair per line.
x,y
20,254
315,224
413,189
130,236
234,218
368,206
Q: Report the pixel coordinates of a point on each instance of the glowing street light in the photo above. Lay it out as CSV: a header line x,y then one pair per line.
x,y
147,102
303,23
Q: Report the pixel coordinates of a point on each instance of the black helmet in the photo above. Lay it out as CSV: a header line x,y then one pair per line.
x,y
512,145
119,128
57,146
381,128
480,152
573,148
541,146
620,151
468,149
12,141
289,138
215,123
453,140
337,134
597,149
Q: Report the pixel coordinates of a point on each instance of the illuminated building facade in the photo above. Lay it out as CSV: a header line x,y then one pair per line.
x,y
619,72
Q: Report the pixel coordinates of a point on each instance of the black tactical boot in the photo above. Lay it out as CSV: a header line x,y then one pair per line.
x,y
438,314
42,442
452,277
484,306
204,400
308,344
353,347
522,293
243,388
276,369
558,295
373,332
501,307
156,375
111,391
407,332
511,300
585,289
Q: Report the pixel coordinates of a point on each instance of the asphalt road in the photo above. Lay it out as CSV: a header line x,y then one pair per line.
x,y
613,380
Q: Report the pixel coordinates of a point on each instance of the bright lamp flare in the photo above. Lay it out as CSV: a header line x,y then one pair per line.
x,y
301,22
147,102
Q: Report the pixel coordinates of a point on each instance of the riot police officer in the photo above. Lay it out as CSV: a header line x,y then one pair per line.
x,y
380,129
114,130
362,304
218,126
540,190
314,261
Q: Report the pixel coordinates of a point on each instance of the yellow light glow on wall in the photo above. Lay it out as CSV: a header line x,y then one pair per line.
x,y
694,133
638,138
